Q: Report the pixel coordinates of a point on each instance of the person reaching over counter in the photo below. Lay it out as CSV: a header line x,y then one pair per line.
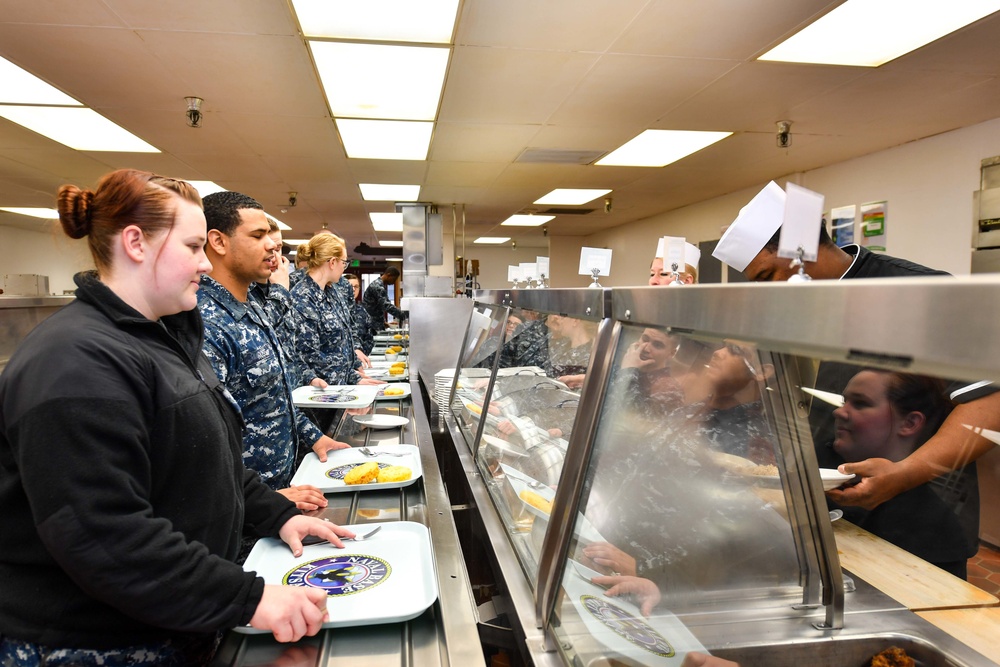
x,y
377,303
246,352
112,551
750,245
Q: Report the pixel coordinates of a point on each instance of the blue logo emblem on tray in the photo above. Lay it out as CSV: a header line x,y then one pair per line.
x,y
340,471
627,626
333,398
340,575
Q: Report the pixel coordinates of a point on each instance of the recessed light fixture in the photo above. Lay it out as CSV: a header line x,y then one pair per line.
x,y
77,127
386,192
867,33
18,86
47,213
658,148
385,81
385,139
387,222
494,240
571,197
394,259
430,21
391,244
519,220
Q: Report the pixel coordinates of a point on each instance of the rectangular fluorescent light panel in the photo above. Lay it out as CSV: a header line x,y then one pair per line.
x,y
869,33
571,197
385,139
658,148
394,259
431,21
381,80
47,213
387,222
495,240
206,188
386,192
18,86
391,244
518,220
77,127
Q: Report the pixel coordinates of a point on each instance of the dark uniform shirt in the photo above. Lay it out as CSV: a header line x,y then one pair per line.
x,y
376,302
321,336
248,358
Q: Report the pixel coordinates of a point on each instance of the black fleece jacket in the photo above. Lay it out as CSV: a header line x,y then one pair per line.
x,y
122,490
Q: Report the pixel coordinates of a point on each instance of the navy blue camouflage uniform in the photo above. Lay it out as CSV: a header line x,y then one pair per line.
x,y
247,356
376,302
276,302
322,338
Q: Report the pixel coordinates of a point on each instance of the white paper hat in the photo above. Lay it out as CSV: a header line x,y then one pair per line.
x,y
692,255
753,228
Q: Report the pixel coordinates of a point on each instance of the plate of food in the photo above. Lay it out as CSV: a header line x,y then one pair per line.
x,y
389,467
388,578
380,421
393,392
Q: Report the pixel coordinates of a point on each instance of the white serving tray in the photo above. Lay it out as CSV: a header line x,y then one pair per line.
x,y
328,477
583,529
380,396
388,578
335,396
619,626
379,421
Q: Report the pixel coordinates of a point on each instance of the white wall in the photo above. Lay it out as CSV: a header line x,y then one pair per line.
x,y
48,252
928,184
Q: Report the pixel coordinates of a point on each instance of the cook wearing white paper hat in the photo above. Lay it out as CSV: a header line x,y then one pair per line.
x,y
658,275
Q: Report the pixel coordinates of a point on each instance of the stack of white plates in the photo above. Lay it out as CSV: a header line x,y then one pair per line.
x,y
443,380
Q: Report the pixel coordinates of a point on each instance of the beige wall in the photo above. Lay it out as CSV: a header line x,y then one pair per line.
x,y
46,252
928,185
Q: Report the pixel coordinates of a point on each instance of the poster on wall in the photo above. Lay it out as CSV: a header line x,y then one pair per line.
x,y
842,224
873,225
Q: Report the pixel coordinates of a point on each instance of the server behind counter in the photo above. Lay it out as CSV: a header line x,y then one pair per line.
x,y
123,493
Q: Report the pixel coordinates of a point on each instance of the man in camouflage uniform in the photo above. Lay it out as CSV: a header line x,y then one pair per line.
x,y
245,350
361,320
376,300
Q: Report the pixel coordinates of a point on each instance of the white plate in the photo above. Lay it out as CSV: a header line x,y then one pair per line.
x,y
621,628
832,478
583,529
386,579
335,396
380,396
378,421
328,477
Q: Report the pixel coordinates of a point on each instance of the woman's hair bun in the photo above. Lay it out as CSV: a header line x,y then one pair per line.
x,y
75,210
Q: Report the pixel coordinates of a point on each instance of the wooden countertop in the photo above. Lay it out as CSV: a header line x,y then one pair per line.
x,y
909,580
976,628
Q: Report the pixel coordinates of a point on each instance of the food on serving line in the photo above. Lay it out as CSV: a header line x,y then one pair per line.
x,y
362,473
536,501
394,474
393,391
478,409
395,348
769,470
397,337
892,657
397,370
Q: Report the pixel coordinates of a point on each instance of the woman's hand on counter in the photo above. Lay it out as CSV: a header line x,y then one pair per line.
x,y
363,358
327,444
365,380
290,612
300,526
307,498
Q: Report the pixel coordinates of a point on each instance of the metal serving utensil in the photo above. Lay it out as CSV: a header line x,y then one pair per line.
x,y
370,453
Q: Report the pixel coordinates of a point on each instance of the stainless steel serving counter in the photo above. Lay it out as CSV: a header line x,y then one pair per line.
x,y
21,314
445,634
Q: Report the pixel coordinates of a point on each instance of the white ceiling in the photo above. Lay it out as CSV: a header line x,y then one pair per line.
x,y
562,75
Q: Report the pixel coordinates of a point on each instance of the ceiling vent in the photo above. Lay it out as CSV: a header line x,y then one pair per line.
x,y
558,156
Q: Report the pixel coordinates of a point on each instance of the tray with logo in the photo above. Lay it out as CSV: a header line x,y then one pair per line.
x,y
388,578
335,396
